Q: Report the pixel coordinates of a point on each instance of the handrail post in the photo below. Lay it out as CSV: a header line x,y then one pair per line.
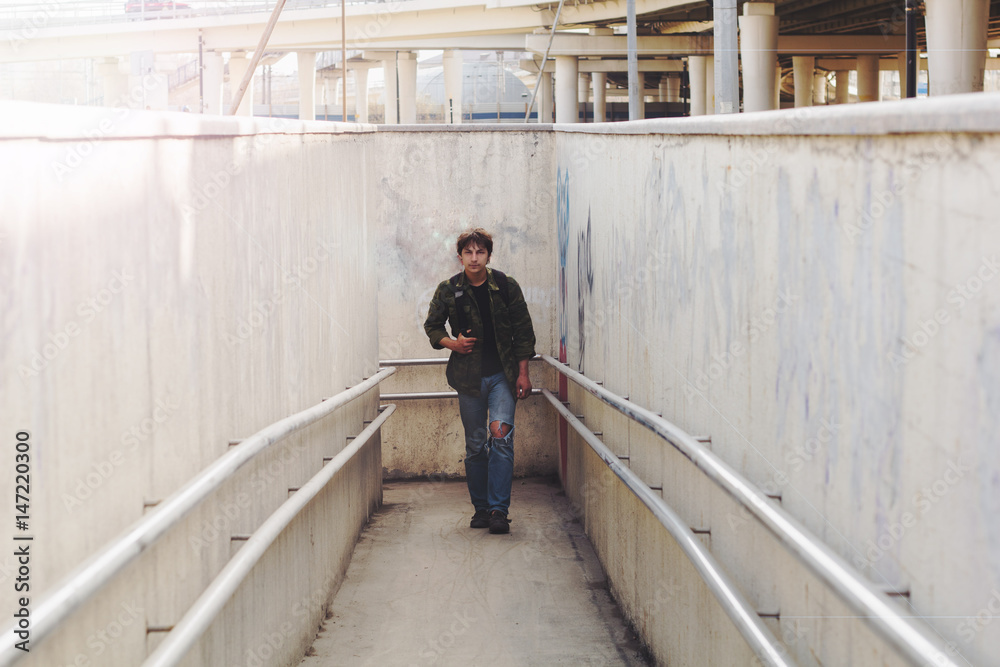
x,y
764,644
908,638
94,573
200,615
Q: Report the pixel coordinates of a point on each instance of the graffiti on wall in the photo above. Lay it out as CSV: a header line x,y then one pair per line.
x,y
562,224
584,287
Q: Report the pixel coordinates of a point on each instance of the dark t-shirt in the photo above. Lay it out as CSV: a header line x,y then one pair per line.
x,y
491,358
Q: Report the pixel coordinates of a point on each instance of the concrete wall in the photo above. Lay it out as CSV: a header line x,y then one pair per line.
x,y
426,188
815,290
170,283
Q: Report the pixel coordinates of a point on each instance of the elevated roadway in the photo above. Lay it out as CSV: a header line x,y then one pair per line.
x,y
98,29
415,23
779,41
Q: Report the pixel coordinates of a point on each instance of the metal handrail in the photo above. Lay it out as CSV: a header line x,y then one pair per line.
x,y
430,361
764,644
417,395
871,604
189,71
98,570
208,605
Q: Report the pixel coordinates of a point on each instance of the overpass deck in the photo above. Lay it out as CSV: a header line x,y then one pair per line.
x,y
424,588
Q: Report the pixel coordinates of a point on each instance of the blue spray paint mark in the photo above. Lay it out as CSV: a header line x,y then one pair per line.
x,y
562,226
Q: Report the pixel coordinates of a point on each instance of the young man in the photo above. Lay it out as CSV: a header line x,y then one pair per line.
x,y
493,341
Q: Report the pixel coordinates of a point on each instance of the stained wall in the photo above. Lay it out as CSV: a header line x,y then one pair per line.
x,y
171,284
815,290
427,186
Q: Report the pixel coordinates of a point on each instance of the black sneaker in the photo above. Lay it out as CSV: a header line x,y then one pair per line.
x,y
499,523
481,519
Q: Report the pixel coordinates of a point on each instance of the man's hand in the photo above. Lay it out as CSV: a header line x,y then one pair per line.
x,y
462,345
523,386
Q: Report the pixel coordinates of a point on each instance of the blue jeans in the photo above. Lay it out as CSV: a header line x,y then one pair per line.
x,y
489,460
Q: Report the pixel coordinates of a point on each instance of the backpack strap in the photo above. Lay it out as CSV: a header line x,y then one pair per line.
x,y
463,326
504,286
502,283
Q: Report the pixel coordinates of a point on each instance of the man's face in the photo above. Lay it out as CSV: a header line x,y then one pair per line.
x,y
474,259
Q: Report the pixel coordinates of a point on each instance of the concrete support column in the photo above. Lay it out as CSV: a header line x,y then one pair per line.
x,y
673,88
956,45
641,81
901,66
330,99
726,67
709,85
803,68
662,89
213,77
777,86
114,82
583,86
407,88
868,79
819,88
307,85
567,72
843,91
600,80
389,73
361,94
545,98
452,60
696,79
328,94
238,65
759,52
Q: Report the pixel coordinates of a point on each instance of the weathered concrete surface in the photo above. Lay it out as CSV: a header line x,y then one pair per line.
x,y
423,588
171,282
813,289
424,189
425,438
817,291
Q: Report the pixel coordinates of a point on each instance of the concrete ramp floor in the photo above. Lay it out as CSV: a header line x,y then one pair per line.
x,y
425,589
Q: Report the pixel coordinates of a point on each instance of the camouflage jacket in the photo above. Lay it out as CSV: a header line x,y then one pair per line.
x,y
511,323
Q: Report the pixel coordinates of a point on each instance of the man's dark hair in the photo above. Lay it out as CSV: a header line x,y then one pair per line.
x,y
479,236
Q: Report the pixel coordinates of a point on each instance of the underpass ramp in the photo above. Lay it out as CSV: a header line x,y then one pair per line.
x,y
423,588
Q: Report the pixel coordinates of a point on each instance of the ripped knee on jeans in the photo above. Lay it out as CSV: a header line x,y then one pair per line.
x,y
499,429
